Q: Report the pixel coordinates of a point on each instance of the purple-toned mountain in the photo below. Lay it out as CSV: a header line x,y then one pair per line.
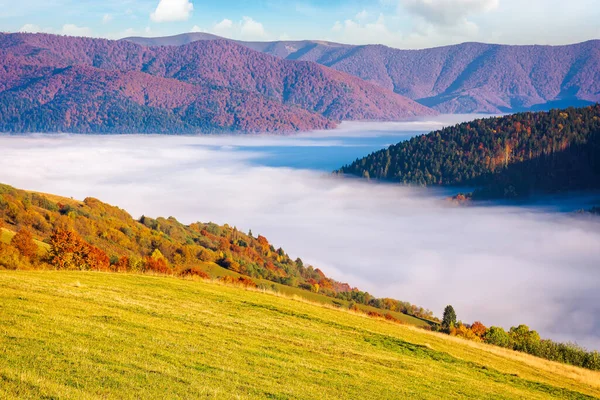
x,y
58,83
465,78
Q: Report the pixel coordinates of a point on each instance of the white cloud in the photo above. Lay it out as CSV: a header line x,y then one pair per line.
x,y
251,29
74,30
245,29
503,265
223,28
107,18
30,28
172,10
360,31
362,15
225,24
448,12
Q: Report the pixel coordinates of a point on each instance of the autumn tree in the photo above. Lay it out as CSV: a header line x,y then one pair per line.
x,y
122,265
10,258
96,259
23,241
449,318
69,251
463,331
65,249
478,329
156,263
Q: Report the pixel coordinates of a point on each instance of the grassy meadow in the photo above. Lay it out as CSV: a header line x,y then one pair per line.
x,y
85,335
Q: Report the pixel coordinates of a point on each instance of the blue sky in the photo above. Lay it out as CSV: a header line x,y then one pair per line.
x,y
396,23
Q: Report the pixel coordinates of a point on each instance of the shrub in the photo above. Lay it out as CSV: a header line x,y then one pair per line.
x,y
156,264
122,265
23,242
497,336
464,332
592,361
478,329
390,317
194,271
374,314
10,258
241,281
524,339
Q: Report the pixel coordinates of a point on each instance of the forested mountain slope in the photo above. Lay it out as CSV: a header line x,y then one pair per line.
x,y
463,78
59,83
511,156
92,235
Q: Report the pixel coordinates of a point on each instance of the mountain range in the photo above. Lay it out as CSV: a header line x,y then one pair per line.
x,y
464,78
59,83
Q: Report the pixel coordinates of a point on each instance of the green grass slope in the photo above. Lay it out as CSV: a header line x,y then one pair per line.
x,y
97,335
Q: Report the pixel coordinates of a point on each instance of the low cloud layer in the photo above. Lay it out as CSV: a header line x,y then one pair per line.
x,y
501,265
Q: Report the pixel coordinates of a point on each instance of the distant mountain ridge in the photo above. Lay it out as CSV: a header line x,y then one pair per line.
x,y
464,78
57,83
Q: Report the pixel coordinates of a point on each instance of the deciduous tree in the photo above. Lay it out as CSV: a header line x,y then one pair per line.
x,y
23,241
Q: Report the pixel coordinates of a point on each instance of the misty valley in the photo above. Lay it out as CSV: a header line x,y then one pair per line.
x,y
227,199
405,242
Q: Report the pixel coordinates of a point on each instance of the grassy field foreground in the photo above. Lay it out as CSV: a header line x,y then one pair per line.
x,y
101,335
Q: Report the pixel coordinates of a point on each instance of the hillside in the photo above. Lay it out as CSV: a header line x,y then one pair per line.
x,y
97,236
464,78
512,156
96,335
56,83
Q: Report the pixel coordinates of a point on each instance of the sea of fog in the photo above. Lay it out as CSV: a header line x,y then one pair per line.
x,y
503,265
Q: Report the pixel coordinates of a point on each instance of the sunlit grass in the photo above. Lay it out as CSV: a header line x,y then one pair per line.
x,y
97,335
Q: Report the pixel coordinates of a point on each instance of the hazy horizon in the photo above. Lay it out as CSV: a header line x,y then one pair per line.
x,y
407,24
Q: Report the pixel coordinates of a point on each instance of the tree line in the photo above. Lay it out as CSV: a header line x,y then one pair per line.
x,y
92,235
520,338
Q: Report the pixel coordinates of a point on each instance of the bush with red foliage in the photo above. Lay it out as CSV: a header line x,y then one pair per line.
x,y
158,265
194,271
240,281
23,241
374,314
69,251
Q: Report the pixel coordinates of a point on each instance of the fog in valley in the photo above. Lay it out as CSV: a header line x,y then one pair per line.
x,y
503,265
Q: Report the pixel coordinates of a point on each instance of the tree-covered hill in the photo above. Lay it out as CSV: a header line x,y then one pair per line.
x,y
51,83
92,235
510,156
462,78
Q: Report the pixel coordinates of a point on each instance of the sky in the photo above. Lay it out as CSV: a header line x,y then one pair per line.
x,y
500,265
396,23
